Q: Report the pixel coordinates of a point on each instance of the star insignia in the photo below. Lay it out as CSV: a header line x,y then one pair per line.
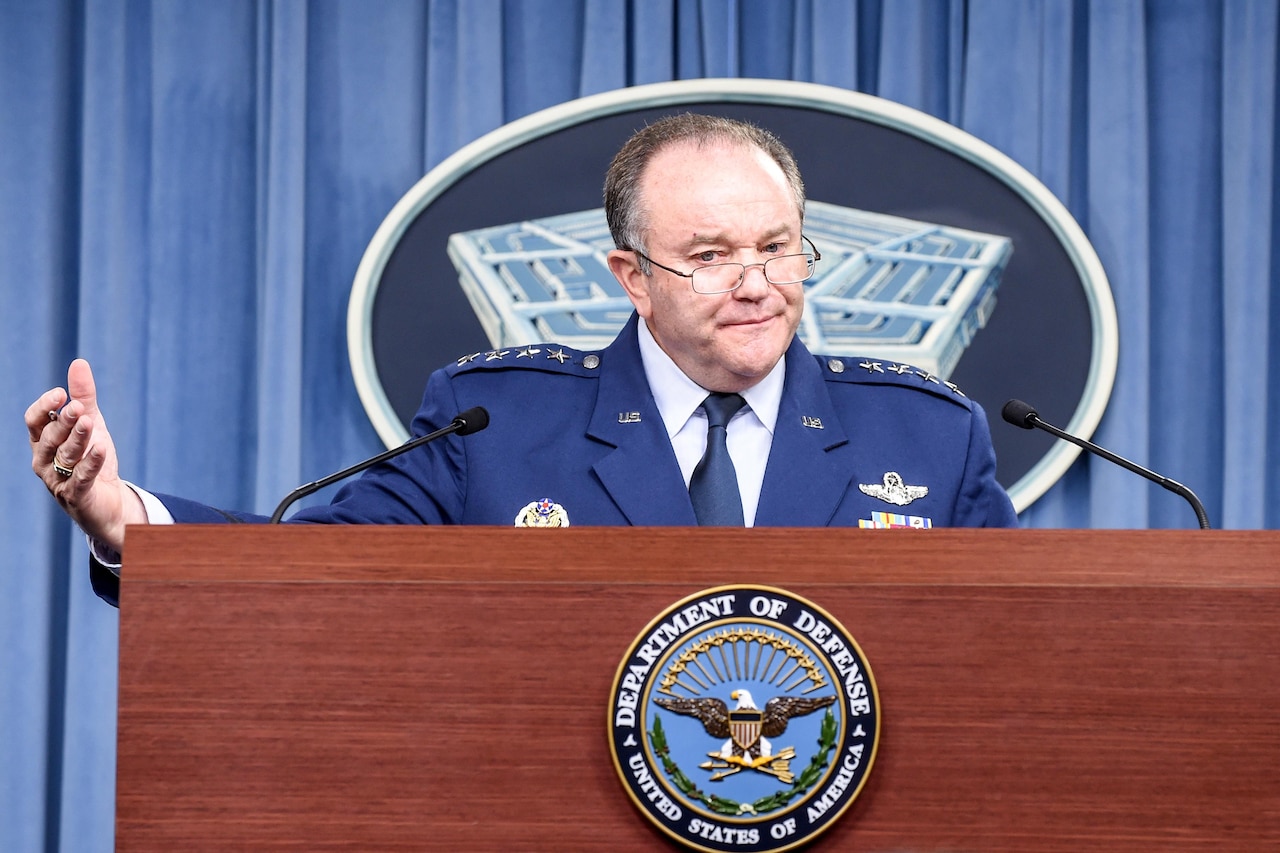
x,y
899,368
871,367
893,490
558,354
496,355
927,377
467,359
528,352
955,388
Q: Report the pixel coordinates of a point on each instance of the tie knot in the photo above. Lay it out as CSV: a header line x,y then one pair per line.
x,y
720,408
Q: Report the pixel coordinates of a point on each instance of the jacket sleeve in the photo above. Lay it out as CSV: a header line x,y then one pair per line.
x,y
983,502
426,486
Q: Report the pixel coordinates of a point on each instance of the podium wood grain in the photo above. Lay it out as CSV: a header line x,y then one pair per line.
x,y
375,688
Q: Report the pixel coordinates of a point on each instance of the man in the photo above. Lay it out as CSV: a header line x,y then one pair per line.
x,y
707,216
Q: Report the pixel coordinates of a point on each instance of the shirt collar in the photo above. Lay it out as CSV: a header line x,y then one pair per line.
x,y
678,397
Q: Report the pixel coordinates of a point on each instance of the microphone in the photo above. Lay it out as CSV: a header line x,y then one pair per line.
x,y
465,423
1021,414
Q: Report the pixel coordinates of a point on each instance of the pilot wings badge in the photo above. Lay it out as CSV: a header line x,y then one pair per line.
x,y
706,763
893,490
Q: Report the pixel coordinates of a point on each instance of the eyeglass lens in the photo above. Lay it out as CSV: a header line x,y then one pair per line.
x,y
718,278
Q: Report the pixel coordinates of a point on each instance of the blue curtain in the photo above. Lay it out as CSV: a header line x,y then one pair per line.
x,y
186,189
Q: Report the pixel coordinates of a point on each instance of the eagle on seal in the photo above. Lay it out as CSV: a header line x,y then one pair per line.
x,y
746,728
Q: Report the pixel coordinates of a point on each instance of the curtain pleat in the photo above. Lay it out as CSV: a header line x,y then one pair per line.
x,y
1248,201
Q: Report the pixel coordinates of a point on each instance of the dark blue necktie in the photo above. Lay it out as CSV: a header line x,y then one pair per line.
x,y
713,488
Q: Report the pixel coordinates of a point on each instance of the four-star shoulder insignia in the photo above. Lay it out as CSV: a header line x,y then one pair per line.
x,y
543,357
878,371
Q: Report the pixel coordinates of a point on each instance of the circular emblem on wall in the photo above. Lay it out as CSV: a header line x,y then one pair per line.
x,y
743,718
938,251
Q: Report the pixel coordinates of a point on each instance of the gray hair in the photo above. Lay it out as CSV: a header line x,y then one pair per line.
x,y
623,206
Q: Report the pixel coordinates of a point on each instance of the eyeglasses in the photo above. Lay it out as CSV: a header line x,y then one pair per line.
x,y
723,278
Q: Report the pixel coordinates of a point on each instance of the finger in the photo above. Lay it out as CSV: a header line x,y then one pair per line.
x,y
81,386
86,472
70,451
54,435
74,491
38,413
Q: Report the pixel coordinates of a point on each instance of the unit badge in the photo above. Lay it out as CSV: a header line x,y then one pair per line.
x,y
542,513
744,718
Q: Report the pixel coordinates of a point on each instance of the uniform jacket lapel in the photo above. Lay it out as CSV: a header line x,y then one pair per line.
x,y
641,474
810,463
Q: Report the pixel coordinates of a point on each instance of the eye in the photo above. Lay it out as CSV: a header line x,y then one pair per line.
x,y
773,248
707,257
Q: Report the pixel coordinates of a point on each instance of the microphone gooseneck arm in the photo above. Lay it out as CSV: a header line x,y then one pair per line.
x,y
472,420
1021,414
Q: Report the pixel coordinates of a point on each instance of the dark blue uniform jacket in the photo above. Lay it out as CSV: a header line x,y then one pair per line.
x,y
585,434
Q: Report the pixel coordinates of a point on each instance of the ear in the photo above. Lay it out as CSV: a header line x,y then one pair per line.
x,y
625,267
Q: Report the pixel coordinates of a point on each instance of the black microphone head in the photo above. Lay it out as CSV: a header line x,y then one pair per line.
x,y
1020,414
472,420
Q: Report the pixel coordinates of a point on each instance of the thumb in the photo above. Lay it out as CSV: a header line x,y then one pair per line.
x,y
80,385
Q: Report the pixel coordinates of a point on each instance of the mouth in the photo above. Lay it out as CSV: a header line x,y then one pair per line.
x,y
749,322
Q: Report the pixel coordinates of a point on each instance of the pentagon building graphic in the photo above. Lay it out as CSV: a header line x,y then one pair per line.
x,y
890,288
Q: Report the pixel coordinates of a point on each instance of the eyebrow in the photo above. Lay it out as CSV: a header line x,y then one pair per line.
x,y
720,239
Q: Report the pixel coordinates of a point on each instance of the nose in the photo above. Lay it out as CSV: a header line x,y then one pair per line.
x,y
754,286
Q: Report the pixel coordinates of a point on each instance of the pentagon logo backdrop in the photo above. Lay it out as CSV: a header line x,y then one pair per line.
x,y
937,250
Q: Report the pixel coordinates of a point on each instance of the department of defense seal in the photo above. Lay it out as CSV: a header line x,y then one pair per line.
x,y
743,718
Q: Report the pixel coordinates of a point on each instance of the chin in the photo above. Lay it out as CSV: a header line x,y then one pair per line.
x,y
763,344
753,366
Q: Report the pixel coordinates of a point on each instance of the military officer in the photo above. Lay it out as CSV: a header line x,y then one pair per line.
x,y
707,408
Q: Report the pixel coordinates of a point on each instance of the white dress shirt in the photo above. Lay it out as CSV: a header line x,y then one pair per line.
x,y
750,431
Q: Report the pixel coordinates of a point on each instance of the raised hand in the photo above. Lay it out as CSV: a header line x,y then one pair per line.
x,y
72,452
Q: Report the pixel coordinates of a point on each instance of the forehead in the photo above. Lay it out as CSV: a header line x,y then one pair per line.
x,y
732,189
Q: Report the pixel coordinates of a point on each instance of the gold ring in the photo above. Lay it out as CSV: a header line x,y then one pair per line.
x,y
62,469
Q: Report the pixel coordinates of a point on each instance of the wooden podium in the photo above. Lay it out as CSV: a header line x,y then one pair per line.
x,y
376,688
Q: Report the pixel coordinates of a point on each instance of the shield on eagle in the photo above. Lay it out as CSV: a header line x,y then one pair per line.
x,y
744,727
